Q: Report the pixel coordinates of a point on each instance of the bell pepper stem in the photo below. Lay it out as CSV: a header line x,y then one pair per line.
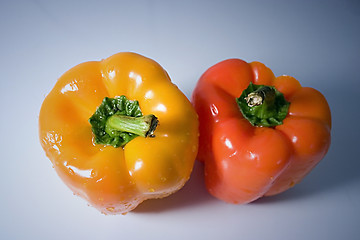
x,y
119,120
143,126
263,106
260,96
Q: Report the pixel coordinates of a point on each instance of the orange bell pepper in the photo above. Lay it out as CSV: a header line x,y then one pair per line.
x,y
259,134
119,132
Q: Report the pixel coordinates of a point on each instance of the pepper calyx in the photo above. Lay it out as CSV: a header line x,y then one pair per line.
x,y
119,120
263,106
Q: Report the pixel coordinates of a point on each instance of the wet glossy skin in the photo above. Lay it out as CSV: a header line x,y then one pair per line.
x,y
243,162
116,180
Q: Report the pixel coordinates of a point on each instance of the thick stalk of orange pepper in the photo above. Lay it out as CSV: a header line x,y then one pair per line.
x,y
259,134
119,132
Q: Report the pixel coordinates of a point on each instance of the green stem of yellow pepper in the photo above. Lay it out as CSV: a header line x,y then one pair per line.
x,y
143,126
119,120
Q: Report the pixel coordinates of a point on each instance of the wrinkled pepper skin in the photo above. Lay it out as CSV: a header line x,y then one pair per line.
x,y
245,162
116,180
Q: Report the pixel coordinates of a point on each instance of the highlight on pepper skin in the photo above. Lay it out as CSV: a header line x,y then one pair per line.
x,y
259,134
118,132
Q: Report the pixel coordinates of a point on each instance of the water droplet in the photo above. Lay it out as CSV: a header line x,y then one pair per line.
x,y
71,171
93,173
292,184
110,209
151,190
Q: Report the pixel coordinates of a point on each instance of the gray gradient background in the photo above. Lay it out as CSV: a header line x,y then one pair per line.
x,y
318,42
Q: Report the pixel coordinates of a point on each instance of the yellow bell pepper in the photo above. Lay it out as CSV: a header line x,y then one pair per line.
x,y
118,132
